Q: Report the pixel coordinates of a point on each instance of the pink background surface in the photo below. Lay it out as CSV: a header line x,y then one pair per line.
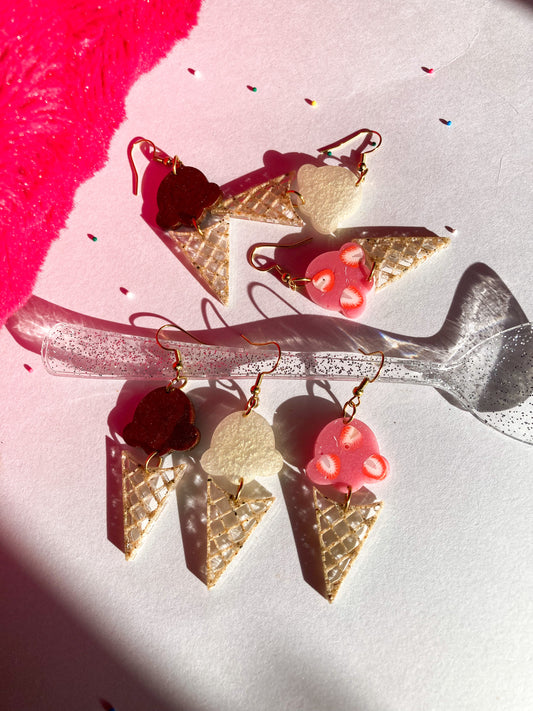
x,y
436,613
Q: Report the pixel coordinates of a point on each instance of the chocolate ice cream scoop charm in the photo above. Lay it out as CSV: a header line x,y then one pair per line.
x,y
164,420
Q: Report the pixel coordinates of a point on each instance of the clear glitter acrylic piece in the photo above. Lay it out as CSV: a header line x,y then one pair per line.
x,y
268,202
487,370
144,495
208,253
229,523
395,256
342,534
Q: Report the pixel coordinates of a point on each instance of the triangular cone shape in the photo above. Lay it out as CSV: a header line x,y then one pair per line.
x,y
342,534
229,523
144,495
208,253
394,256
268,202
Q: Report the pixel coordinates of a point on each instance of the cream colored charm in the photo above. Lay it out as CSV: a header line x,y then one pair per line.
x,y
242,448
330,194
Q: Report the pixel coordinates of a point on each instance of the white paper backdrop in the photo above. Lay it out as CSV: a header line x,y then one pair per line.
x,y
436,613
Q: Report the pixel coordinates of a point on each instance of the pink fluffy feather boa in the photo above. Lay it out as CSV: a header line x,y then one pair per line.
x,y
65,69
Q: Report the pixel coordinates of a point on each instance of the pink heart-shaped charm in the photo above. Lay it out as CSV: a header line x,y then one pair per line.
x,y
346,456
339,280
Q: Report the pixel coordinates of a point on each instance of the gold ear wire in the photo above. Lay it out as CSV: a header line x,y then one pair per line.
x,y
362,168
350,138
253,402
158,155
178,381
354,402
286,278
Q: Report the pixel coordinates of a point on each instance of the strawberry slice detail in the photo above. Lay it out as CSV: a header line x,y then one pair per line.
x,y
376,467
323,280
350,437
351,255
351,298
329,466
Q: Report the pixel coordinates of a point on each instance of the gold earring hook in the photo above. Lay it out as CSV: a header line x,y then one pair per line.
x,y
362,168
253,402
350,407
178,381
286,278
158,155
350,138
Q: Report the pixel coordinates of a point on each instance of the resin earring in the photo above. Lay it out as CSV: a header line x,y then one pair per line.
x,y
326,195
346,457
242,447
164,422
185,200
339,280
342,279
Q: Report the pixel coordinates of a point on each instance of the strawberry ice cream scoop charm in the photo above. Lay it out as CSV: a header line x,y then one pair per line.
x,y
346,457
340,280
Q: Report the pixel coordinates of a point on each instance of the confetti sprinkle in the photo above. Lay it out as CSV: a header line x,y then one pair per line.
x,y
94,239
251,88
28,368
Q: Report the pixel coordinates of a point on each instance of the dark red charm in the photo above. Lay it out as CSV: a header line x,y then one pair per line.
x,y
163,422
183,197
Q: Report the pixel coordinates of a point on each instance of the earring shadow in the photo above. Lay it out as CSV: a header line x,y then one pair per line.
x,y
296,423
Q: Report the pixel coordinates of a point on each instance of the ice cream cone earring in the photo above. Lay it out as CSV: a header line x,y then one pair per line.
x,y
346,457
164,422
185,201
343,279
242,447
321,196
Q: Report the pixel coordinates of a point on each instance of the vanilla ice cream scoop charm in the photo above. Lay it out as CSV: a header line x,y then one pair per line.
x,y
242,448
330,194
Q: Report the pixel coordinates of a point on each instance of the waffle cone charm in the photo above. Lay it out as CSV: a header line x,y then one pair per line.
x,y
208,254
267,202
342,531
242,447
395,256
230,521
144,496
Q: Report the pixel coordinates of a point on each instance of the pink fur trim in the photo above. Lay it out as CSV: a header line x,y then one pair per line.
x,y
65,69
